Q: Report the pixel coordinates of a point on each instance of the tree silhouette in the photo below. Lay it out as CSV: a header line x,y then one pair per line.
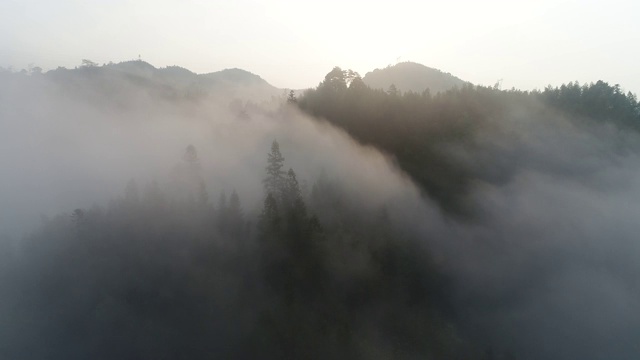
x,y
291,98
273,183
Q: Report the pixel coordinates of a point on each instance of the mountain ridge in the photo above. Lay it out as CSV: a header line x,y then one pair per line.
x,y
145,69
122,80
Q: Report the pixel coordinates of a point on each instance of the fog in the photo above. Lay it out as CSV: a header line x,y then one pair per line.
x,y
553,264
545,269
62,152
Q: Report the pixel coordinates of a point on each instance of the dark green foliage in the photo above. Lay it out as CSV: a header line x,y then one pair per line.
x,y
599,101
414,128
420,130
154,277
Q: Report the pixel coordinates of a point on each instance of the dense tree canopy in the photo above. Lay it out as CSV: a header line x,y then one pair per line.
x,y
419,129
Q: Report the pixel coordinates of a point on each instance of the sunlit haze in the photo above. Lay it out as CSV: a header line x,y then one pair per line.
x,y
524,44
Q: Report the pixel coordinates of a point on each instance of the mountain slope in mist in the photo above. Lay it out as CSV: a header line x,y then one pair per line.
x,y
470,224
196,258
541,187
410,76
129,79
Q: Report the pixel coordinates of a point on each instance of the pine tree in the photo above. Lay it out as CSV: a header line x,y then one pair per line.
x,y
292,188
291,98
273,183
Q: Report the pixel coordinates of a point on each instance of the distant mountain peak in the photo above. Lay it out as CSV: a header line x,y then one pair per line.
x,y
133,65
174,69
411,76
236,75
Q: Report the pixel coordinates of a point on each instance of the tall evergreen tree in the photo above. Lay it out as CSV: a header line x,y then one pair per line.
x,y
273,183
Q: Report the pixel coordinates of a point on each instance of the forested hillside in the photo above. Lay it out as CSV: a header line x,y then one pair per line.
x,y
426,133
156,276
167,215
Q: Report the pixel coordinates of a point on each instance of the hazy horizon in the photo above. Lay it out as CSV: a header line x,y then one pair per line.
x,y
525,46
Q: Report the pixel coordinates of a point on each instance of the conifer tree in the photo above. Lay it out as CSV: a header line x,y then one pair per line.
x,y
273,183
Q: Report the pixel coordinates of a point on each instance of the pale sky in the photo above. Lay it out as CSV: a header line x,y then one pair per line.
x,y
293,44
